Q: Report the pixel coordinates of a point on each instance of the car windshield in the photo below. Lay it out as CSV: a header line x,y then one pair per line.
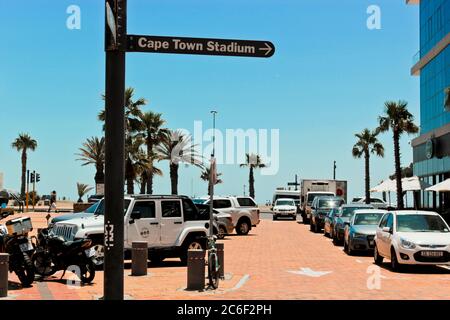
x,y
348,211
329,204
311,196
101,208
92,208
421,223
368,219
198,201
285,203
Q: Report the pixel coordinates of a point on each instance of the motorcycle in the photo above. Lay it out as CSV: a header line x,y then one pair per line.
x,y
54,253
14,241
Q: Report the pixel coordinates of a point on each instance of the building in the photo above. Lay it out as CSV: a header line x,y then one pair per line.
x,y
431,149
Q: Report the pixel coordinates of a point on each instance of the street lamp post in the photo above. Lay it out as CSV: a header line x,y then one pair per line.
x,y
212,177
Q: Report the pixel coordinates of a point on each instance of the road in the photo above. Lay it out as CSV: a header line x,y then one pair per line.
x,y
278,260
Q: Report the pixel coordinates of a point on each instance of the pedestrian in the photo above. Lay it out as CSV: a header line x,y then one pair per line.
x,y
52,202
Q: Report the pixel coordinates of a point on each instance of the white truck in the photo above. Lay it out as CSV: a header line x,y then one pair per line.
x,y
171,225
310,188
244,212
282,193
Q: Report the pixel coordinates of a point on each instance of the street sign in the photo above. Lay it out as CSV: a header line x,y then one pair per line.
x,y
200,46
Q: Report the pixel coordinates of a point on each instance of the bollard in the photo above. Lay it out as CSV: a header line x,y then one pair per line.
x,y
4,269
139,257
196,270
221,256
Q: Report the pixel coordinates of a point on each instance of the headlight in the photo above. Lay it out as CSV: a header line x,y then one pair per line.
x,y
407,244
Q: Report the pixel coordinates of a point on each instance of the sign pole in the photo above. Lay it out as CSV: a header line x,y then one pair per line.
x,y
114,149
34,190
27,189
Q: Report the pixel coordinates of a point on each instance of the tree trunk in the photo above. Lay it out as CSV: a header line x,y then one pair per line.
x,y
398,170
251,183
367,168
150,175
129,176
24,172
174,178
143,182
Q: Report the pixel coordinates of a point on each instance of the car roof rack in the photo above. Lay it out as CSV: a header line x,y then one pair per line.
x,y
155,196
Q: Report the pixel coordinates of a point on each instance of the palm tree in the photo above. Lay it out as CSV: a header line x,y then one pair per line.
x,y
24,143
205,176
254,162
153,134
367,143
93,152
399,120
132,125
82,189
178,148
143,169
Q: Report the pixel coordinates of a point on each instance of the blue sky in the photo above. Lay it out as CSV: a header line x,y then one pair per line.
x,y
329,79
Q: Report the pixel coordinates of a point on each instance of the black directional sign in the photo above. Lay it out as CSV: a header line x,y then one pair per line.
x,y
202,46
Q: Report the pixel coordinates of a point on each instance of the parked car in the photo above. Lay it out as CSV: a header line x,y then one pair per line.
x,y
377,203
308,200
344,216
285,207
328,226
320,207
412,238
243,210
359,235
86,213
171,225
223,224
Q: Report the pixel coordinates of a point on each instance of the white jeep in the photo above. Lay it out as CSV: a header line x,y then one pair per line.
x,y
171,225
244,212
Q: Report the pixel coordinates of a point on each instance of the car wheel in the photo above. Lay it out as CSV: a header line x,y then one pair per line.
x,y
243,228
316,228
156,259
349,248
274,217
395,265
222,232
376,256
311,228
99,257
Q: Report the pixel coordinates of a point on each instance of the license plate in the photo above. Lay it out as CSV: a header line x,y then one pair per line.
x,y
90,252
24,247
432,254
371,243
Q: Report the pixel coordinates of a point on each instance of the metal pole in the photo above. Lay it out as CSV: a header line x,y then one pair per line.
x,y
34,189
211,218
4,268
114,151
334,170
28,188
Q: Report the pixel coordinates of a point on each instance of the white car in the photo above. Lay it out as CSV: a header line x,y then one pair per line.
x,y
413,238
377,203
285,208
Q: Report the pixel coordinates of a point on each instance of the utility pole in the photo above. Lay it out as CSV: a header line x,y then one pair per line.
x,y
34,189
334,170
115,47
244,190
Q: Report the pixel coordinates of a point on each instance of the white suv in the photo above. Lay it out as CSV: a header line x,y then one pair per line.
x,y
244,212
171,225
412,237
285,208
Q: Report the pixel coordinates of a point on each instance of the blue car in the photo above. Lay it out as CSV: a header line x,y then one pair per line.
x,y
360,232
343,217
88,212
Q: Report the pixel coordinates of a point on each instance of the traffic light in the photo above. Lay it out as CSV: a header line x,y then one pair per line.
x,y
32,177
116,30
38,177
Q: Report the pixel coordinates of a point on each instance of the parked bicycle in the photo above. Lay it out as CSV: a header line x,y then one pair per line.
x,y
213,263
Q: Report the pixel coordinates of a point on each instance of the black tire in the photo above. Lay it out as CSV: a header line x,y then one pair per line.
x,y
213,274
243,227
311,227
191,242
376,257
156,259
25,272
349,248
87,271
274,217
395,265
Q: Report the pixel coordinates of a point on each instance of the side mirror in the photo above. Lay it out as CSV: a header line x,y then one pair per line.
x,y
387,229
135,215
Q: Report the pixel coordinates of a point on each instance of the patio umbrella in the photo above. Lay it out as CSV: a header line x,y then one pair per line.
x,y
443,186
414,184
386,186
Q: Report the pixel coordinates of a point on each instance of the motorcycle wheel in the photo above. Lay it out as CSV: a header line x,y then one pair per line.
x,y
26,272
42,265
87,271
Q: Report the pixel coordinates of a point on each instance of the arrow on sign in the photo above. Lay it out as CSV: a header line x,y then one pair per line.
x,y
267,48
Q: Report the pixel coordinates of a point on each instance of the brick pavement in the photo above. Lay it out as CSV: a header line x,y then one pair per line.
x,y
276,261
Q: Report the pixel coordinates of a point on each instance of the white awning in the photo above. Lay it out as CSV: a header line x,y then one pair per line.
x,y
414,184
443,186
385,186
